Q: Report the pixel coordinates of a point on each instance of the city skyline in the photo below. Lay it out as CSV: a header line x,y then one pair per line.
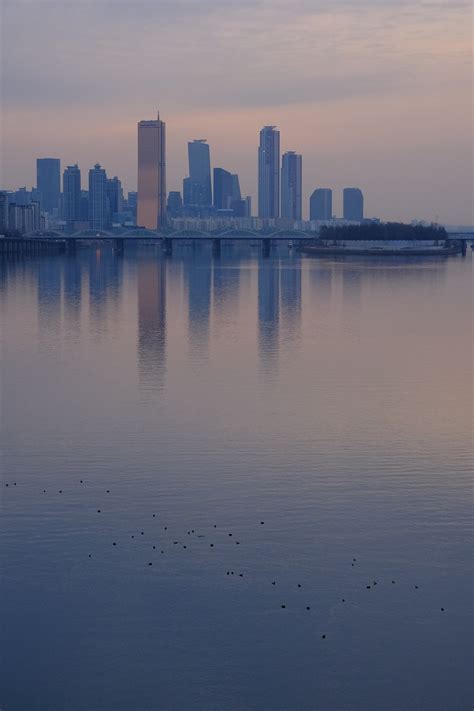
x,y
380,105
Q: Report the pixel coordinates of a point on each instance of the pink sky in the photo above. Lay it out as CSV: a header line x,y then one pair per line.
x,y
374,93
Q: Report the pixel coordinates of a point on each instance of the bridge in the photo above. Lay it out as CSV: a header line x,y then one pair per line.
x,y
55,241
61,242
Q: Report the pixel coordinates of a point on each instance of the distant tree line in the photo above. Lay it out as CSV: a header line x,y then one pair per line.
x,y
383,231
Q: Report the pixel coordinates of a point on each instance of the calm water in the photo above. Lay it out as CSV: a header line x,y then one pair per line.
x,y
330,400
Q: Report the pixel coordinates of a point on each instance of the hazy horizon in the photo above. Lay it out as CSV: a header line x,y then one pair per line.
x,y
373,94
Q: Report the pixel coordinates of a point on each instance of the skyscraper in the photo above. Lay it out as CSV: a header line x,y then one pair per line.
x,y
98,202
48,182
236,194
3,212
320,204
151,201
115,196
199,189
291,185
223,188
174,205
353,204
269,173
71,195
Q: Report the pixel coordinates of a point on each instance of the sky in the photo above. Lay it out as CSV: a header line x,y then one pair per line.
x,y
373,93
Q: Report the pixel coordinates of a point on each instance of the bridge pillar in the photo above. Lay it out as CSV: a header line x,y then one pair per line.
x,y
216,247
266,247
119,246
71,245
464,247
168,245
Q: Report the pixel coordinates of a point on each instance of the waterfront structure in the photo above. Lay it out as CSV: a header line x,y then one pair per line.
x,y
71,195
269,173
197,188
24,218
151,199
223,189
353,204
48,182
320,204
291,186
98,203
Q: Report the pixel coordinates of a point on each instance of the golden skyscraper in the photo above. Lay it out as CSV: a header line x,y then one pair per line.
x,y
151,199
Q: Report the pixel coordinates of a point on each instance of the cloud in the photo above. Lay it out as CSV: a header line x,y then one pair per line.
x,y
217,52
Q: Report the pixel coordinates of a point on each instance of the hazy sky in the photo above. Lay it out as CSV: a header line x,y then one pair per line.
x,y
373,93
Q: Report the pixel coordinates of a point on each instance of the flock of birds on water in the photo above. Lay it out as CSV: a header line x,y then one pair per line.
x,y
230,535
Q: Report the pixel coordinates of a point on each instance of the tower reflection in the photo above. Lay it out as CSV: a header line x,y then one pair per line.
x,y
72,296
198,280
290,288
268,313
105,286
151,277
49,293
226,285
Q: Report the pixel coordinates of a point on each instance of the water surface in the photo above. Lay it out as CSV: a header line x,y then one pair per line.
x,y
330,400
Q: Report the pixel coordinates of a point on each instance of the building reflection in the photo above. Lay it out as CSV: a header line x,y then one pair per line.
x,y
198,280
151,277
290,299
268,312
72,291
105,284
49,293
226,285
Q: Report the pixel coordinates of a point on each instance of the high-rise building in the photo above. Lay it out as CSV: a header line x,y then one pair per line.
x,y
175,204
98,202
269,173
71,195
132,203
3,211
353,204
151,202
199,189
320,204
48,182
223,188
236,194
248,209
84,215
291,186
115,196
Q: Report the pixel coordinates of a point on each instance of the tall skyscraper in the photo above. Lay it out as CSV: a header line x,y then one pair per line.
x,y
223,188
269,172
48,182
98,202
151,201
291,186
353,204
199,189
71,195
320,204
